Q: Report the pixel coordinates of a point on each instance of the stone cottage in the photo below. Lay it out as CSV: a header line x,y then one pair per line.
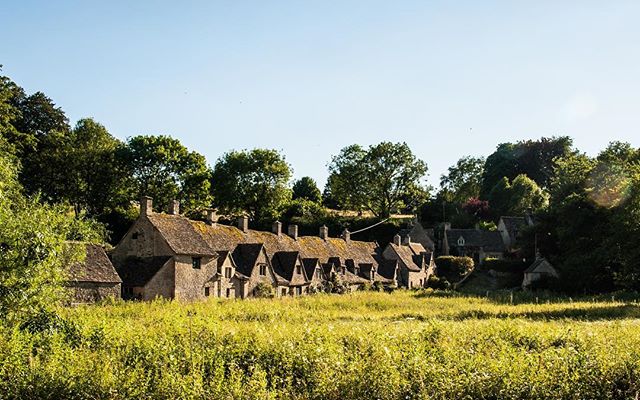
x,y
162,255
94,278
540,269
510,229
413,269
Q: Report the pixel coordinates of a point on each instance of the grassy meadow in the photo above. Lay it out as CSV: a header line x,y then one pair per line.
x,y
367,345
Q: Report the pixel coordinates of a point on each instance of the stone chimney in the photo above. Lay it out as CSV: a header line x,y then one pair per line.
x,y
243,223
212,216
397,240
346,235
277,228
293,231
324,232
146,205
406,240
174,207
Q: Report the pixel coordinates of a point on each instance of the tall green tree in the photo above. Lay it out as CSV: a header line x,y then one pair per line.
x,y
166,170
517,197
382,178
253,182
534,158
306,188
463,180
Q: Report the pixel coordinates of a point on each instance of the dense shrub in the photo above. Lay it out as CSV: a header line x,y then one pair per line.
x,y
453,268
263,290
435,282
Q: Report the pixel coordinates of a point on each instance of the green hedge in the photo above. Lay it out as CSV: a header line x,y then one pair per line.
x,y
453,268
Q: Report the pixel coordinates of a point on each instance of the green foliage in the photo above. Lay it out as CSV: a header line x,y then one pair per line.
x,y
415,345
166,170
304,212
263,291
253,182
307,189
33,249
453,269
435,282
463,180
533,158
517,197
382,179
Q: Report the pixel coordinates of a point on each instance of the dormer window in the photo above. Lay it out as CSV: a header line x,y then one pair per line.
x,y
228,272
196,262
460,241
318,273
263,269
298,269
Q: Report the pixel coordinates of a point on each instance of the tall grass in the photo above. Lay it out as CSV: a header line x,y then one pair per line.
x,y
405,345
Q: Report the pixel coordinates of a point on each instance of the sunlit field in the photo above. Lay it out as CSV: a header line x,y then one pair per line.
x,y
366,345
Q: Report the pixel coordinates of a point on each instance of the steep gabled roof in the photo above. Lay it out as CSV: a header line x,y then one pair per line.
x,y
95,267
417,248
387,269
488,240
284,263
136,271
180,234
310,265
540,261
406,256
514,226
246,256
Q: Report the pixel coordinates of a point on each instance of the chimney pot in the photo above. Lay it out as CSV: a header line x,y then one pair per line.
x,y
243,223
174,207
293,231
212,216
277,228
346,235
146,205
324,232
397,240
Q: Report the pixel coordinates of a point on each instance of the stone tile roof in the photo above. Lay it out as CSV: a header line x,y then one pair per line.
x,y
417,248
136,271
488,240
284,263
246,255
96,266
537,263
387,269
310,265
180,234
406,255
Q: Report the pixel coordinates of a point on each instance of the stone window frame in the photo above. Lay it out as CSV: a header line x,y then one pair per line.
x,y
263,269
299,269
196,262
206,291
228,272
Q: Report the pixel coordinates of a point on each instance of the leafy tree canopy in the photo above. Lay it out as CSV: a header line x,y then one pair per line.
x,y
306,188
253,182
166,170
463,180
383,178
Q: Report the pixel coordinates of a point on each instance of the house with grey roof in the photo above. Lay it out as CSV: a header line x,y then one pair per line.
x,y
540,269
93,278
475,243
510,229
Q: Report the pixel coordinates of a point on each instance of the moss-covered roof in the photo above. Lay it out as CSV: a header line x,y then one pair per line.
x,y
95,266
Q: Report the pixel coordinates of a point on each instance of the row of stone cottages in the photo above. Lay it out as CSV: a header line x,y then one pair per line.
x,y
171,256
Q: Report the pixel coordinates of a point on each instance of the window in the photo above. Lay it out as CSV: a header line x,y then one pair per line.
x,y
196,262
298,269
206,291
134,236
298,290
263,269
283,292
228,292
227,272
318,273
460,241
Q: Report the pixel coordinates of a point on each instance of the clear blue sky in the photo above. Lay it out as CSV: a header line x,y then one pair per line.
x,y
310,77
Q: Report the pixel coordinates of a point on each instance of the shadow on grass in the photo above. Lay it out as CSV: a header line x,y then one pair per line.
x,y
595,313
